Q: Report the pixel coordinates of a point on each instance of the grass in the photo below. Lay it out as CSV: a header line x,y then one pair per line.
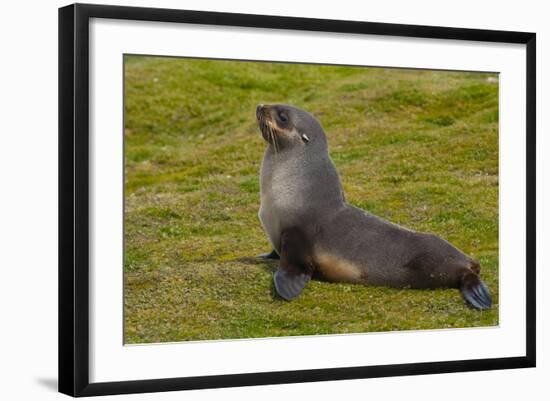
x,y
419,148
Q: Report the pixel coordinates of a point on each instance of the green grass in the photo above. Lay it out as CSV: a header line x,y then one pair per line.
x,y
419,148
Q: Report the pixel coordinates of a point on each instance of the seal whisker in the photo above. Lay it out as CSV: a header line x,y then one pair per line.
x,y
270,136
266,128
276,140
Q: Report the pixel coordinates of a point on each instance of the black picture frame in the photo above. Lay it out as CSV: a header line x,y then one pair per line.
x,y
74,198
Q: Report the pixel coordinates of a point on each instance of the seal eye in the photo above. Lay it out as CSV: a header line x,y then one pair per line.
x,y
282,116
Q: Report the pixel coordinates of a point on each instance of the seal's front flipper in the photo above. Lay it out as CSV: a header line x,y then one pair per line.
x,y
272,255
288,285
475,292
295,269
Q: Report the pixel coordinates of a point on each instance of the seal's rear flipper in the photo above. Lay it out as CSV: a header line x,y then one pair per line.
x,y
475,292
272,255
295,269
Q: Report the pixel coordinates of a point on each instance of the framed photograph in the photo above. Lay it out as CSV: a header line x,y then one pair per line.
x,y
251,199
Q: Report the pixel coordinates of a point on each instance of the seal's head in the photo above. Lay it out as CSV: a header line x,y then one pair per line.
x,y
285,127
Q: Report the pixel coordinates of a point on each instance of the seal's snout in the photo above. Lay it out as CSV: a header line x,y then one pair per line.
x,y
259,109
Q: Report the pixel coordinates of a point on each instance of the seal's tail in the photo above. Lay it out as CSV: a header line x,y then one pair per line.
x,y
475,292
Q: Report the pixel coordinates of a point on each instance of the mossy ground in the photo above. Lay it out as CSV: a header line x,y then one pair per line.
x,y
419,148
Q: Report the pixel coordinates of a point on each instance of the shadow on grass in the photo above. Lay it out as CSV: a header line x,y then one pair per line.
x,y
268,265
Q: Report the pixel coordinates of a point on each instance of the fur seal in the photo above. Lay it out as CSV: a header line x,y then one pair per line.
x,y
317,234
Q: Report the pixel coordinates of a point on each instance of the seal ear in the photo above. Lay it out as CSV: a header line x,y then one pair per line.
x,y
295,269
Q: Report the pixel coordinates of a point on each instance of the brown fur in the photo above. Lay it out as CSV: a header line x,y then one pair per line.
x,y
334,268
